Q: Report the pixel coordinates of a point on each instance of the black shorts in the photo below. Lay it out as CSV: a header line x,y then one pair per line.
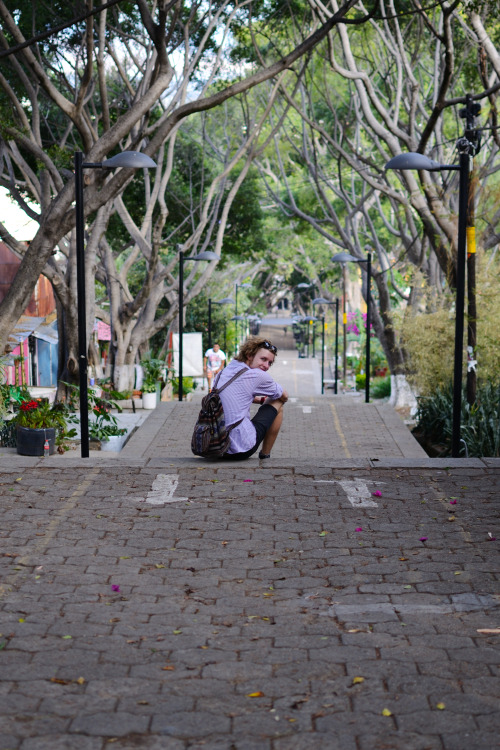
x,y
262,422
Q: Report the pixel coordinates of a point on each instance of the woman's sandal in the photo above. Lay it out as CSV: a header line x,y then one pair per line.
x,y
264,455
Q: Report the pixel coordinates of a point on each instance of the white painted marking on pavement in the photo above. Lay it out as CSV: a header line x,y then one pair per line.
x,y
356,490
163,490
306,409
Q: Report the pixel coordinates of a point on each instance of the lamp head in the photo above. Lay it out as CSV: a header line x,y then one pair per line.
x,y
321,301
205,255
130,159
225,301
414,160
345,258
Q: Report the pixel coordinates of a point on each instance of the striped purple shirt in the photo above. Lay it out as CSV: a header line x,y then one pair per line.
x,y
237,398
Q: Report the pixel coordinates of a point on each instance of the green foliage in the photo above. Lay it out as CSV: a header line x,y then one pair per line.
x,y
360,381
380,387
480,422
104,425
188,385
428,339
40,414
120,395
154,370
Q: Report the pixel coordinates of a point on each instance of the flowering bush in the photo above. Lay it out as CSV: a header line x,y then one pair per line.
x,y
104,425
38,414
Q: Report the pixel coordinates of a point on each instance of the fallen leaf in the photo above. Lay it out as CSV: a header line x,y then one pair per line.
x,y
453,502
66,637
257,694
386,712
358,680
169,668
18,479
323,533
115,587
59,682
458,573
440,706
451,518
159,565
176,632
403,559
80,680
489,631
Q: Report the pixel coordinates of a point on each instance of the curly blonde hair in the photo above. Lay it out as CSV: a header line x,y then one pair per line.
x,y
251,346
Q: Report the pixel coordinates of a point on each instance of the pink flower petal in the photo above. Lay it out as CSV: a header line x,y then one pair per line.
x,y
453,502
377,493
423,539
114,587
359,529
248,480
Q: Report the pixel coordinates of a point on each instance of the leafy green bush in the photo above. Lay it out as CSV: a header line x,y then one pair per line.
x,y
360,381
188,385
381,387
480,423
120,395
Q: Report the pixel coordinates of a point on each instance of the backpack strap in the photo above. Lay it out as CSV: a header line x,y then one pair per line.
x,y
240,372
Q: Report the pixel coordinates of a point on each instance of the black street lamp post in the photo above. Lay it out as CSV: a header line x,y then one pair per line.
x,y
236,318
418,161
321,301
205,255
127,160
225,301
336,345
347,258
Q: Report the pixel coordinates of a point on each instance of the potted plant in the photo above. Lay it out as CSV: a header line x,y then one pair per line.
x,y
104,427
38,422
154,372
149,397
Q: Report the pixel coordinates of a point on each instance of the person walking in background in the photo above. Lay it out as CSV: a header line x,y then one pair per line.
x,y
256,385
213,362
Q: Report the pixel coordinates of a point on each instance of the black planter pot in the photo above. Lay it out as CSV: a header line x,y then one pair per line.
x,y
30,441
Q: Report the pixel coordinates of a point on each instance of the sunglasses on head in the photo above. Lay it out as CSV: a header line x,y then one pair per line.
x,y
271,347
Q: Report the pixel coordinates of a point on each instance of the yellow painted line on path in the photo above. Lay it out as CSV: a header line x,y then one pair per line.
x,y
51,530
338,428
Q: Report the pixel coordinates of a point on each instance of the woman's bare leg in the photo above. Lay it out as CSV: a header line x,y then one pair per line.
x,y
274,429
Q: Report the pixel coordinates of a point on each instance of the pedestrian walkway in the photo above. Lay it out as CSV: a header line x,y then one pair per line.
x,y
342,596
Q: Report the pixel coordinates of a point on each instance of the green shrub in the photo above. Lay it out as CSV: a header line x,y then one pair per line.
x,y
188,385
120,395
480,423
381,387
360,381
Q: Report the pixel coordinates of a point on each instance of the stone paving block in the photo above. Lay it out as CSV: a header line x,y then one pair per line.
x,y
190,724
61,742
109,724
391,740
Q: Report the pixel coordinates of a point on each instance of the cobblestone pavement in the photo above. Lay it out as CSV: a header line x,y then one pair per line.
x,y
167,606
